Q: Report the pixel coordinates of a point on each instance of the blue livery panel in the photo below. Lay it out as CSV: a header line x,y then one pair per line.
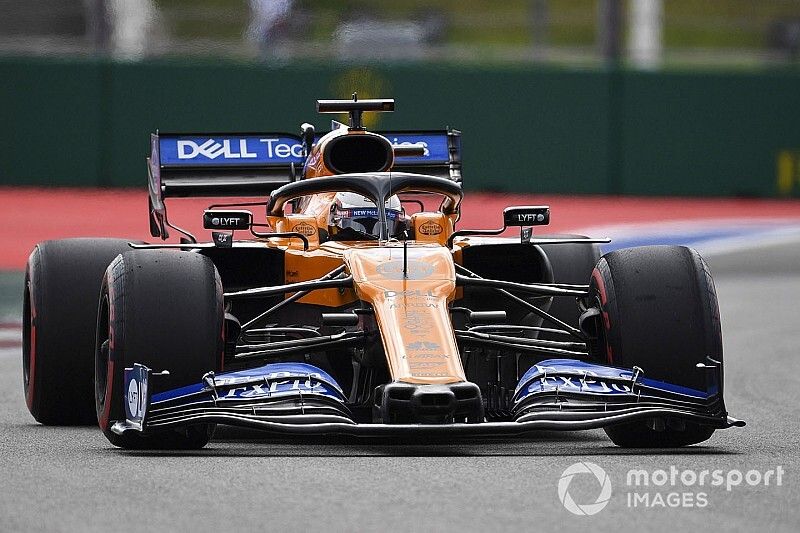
x,y
435,146
279,149
275,379
570,375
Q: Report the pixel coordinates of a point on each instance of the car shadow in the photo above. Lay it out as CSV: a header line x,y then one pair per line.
x,y
237,442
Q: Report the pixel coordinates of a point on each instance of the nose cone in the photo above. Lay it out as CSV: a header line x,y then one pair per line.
x,y
429,404
433,400
409,296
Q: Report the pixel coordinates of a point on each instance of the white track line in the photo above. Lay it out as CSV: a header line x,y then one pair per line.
x,y
748,234
7,334
10,353
10,337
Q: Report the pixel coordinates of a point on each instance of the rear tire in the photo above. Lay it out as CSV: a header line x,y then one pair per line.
x,y
571,264
659,312
62,279
162,309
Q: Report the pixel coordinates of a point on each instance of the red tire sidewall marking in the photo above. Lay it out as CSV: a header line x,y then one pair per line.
x,y
32,345
103,419
222,355
601,288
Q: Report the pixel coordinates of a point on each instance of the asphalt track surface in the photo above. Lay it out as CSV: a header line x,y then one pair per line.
x,y
72,479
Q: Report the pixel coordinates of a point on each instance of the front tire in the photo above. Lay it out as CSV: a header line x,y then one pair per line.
x,y
162,309
659,312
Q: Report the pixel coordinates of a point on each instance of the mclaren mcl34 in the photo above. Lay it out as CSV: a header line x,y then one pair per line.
x,y
351,304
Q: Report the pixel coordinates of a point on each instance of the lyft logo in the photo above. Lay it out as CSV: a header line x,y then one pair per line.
x,y
530,217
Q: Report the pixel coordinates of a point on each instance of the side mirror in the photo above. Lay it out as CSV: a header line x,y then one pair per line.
x,y
528,215
228,219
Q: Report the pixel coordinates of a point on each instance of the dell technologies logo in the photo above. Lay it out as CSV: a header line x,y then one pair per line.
x,y
238,149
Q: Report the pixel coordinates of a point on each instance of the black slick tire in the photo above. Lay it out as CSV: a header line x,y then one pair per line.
x,y
162,309
659,312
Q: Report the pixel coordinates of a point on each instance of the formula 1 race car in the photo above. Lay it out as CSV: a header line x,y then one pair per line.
x,y
356,307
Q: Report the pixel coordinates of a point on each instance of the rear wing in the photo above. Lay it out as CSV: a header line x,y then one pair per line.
x,y
212,164
255,164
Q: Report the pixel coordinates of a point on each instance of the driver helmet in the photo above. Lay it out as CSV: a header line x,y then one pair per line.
x,y
354,217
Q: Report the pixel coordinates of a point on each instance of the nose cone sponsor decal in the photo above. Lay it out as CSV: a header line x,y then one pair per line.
x,y
383,266
397,270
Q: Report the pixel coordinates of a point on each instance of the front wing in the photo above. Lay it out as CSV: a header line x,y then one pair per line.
x,y
300,399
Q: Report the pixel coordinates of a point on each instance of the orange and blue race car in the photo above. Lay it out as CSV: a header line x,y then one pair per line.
x,y
345,300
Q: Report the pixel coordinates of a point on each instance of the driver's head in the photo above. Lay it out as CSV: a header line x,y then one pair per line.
x,y
354,217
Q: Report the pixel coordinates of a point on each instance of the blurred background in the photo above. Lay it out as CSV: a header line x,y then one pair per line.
x,y
637,97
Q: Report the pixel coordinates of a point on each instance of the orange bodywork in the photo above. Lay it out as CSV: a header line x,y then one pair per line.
x,y
411,307
409,295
